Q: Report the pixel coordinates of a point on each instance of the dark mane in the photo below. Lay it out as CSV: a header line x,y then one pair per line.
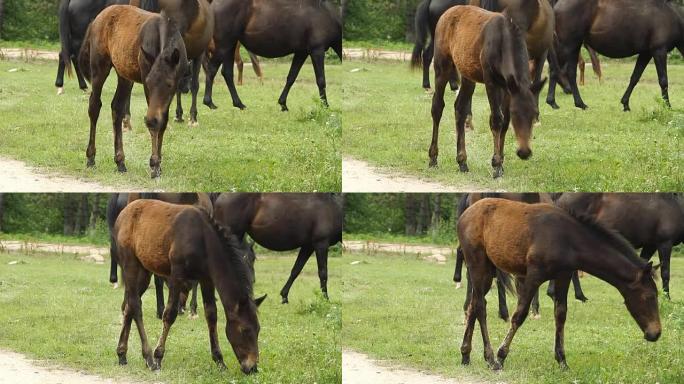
x,y
490,5
614,238
231,244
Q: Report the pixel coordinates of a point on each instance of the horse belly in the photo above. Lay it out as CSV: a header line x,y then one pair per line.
x,y
465,53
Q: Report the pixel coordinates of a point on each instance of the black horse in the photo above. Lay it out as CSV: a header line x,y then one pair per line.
x,y
283,222
274,28
427,16
618,28
74,18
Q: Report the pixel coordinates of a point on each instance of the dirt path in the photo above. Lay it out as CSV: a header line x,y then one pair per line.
x,y
359,176
357,368
375,54
30,247
372,246
16,176
16,368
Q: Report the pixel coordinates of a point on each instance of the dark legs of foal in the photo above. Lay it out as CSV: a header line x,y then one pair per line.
x,y
499,120
136,281
579,294
194,90
211,315
169,317
560,305
664,253
305,253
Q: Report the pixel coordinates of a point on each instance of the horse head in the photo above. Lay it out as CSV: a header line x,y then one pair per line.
x,y
641,299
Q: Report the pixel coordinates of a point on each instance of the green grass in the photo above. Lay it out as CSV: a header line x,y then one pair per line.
x,y
32,44
407,311
94,238
63,310
259,149
388,123
397,238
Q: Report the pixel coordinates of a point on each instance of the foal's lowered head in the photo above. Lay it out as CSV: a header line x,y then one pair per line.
x,y
641,300
165,63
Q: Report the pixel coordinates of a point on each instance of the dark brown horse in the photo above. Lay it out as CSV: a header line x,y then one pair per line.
x,y
283,222
649,221
182,243
484,47
540,242
529,198
618,28
142,47
274,28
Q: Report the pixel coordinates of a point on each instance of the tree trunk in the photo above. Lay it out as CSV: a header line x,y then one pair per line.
x,y
343,9
70,213
2,15
2,195
423,214
436,213
94,210
82,215
410,214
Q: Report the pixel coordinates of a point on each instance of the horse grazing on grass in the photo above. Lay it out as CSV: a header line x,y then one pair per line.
x,y
283,222
529,198
182,244
617,29
540,242
648,221
484,47
274,28
142,47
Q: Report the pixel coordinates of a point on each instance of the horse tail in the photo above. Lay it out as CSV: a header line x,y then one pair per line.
x,y
422,34
65,34
84,56
506,281
459,265
337,47
595,62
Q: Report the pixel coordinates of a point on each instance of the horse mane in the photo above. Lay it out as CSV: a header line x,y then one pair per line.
x,y
490,5
614,238
518,46
231,244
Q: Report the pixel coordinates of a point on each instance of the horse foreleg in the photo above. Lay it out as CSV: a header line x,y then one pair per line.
x,y
660,59
560,304
94,107
59,82
194,90
496,96
193,301
318,59
121,97
304,254
179,107
482,274
571,67
159,294
664,252
554,78
322,262
528,287
169,317
210,315
297,62
579,295
641,63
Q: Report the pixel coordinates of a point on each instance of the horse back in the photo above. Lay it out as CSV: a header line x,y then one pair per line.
x,y
459,36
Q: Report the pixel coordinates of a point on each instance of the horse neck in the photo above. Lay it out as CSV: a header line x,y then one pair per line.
x,y
607,263
523,13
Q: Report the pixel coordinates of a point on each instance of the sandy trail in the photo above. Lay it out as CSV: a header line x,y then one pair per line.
x,y
372,247
357,368
16,176
16,368
359,176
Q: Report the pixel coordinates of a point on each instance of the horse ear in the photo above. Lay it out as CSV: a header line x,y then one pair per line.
x,y
537,86
260,300
148,56
174,59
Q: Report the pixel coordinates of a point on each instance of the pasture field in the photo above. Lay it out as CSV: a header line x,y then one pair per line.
x,y
63,310
388,123
408,311
258,149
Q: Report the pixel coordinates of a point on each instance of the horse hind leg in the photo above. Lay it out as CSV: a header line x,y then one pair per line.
x,y
136,280
664,253
100,67
318,59
560,302
121,97
240,64
79,75
322,262
501,291
641,63
59,82
194,90
297,63
660,59
210,315
168,318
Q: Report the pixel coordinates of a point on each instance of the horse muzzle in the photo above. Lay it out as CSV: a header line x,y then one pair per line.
x,y
524,153
247,369
652,332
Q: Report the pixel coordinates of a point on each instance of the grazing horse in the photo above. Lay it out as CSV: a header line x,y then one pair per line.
x,y
529,198
182,244
142,47
484,47
648,221
540,242
274,28
283,222
118,201
618,29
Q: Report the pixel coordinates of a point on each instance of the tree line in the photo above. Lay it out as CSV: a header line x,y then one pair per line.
x,y
67,214
403,214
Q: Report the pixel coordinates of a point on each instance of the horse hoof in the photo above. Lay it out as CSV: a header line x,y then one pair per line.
x,y
115,286
465,360
221,365
284,301
325,296
210,104
193,316
60,91
625,108
283,108
536,316
553,104
155,173
178,120
122,360
583,299
193,124
91,163
498,172
121,167
563,366
583,106
433,163
504,316
463,167
496,366
458,285
241,106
